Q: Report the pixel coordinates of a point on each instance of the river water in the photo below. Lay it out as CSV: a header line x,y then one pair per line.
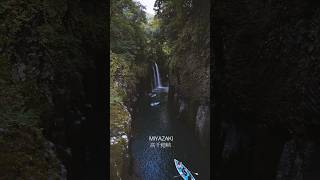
x,y
157,163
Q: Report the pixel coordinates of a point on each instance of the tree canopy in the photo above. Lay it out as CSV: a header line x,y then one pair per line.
x,y
127,29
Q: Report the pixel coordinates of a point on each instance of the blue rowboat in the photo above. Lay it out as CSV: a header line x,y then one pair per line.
x,y
183,171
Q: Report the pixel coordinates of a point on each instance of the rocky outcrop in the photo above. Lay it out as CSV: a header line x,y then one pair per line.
x,y
119,141
127,82
121,117
202,124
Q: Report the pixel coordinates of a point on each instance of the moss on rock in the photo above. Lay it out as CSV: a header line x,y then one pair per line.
x,y
24,155
119,125
23,152
124,79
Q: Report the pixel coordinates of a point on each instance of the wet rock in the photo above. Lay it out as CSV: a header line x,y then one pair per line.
x,y
294,160
182,106
119,142
59,172
202,127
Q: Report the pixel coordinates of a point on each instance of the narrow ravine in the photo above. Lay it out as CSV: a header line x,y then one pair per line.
x,y
159,79
157,120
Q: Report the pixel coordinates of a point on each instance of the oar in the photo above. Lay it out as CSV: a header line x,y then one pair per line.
x,y
194,173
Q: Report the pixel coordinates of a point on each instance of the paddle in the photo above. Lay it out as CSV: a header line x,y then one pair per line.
x,y
197,174
194,173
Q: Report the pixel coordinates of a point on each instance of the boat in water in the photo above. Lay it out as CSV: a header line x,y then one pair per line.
x,y
183,171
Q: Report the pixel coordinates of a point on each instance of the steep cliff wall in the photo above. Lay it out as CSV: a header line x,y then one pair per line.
x,y
127,81
267,73
50,53
129,77
189,72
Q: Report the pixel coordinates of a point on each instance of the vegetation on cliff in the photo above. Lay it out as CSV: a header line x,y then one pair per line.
x,y
128,67
177,39
24,152
45,56
185,33
184,38
267,78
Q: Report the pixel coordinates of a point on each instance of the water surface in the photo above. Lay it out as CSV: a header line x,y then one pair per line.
x,y
158,163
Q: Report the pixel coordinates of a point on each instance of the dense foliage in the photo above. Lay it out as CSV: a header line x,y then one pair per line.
x,y
127,46
127,34
128,68
184,37
177,39
184,33
46,49
29,32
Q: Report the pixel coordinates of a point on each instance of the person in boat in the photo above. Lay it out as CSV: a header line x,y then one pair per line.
x,y
183,169
184,172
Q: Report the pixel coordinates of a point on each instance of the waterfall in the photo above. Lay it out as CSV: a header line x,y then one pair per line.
x,y
156,76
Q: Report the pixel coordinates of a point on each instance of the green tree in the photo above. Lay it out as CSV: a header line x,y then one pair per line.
x,y
127,35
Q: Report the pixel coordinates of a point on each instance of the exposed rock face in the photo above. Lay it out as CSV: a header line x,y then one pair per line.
x,y
266,75
119,141
51,153
127,84
182,106
295,159
203,124
189,73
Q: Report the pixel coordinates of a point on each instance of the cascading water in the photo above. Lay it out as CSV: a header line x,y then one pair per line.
x,y
157,86
156,75
154,78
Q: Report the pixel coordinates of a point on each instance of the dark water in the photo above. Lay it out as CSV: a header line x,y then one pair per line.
x,y
158,163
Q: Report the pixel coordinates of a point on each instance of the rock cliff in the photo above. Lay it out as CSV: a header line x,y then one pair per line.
x,y
267,73
50,55
189,73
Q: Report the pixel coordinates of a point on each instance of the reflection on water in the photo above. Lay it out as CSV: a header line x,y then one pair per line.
x,y
158,163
